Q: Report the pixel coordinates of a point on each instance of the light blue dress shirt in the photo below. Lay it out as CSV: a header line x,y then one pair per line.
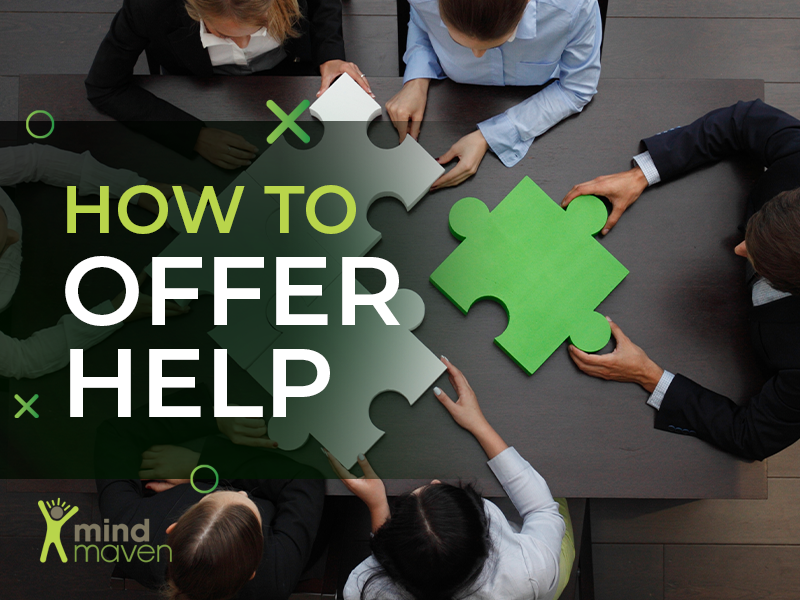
x,y
555,39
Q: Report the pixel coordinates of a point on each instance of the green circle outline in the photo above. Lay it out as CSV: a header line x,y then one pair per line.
x,y
52,124
191,479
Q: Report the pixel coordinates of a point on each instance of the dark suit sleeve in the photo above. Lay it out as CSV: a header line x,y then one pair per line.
x,y
110,87
120,441
754,128
764,426
298,505
327,40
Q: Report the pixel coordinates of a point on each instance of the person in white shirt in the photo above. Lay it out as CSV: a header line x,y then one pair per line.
x,y
442,542
48,350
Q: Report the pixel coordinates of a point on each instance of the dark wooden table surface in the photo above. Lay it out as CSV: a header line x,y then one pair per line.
x,y
684,301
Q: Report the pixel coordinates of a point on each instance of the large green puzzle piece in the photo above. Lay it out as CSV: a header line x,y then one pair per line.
x,y
541,263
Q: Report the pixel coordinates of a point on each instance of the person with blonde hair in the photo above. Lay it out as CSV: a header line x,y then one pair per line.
x,y
212,37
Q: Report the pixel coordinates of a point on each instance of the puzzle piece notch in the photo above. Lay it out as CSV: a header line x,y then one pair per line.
x,y
366,359
540,263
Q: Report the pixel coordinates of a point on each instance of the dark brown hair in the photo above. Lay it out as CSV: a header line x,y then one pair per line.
x,y
773,241
484,20
216,548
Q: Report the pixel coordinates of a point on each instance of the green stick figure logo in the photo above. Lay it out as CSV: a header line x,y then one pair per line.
x,y
55,515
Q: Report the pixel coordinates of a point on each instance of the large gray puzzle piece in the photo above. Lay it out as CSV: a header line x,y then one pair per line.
x,y
365,359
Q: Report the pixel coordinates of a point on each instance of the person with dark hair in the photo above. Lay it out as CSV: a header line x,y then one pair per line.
x,y
250,539
770,421
206,38
442,542
500,42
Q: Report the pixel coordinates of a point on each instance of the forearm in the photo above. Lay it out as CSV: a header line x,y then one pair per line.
x,y
379,514
489,439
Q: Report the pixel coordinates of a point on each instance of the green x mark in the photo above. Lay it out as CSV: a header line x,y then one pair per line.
x,y
288,121
26,406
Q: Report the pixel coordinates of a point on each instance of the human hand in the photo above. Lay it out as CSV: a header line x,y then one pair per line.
x,y
331,69
162,461
465,410
246,431
409,105
621,189
470,151
224,149
627,363
162,485
369,488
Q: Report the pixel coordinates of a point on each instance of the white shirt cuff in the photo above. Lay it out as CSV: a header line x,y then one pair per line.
x,y
657,397
645,162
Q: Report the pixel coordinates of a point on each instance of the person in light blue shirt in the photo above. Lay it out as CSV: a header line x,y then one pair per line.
x,y
500,42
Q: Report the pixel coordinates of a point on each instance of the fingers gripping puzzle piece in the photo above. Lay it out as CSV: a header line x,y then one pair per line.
x,y
541,263
365,359
345,157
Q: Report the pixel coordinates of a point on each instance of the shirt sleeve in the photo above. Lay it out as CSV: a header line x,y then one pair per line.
x,y
657,397
47,350
543,526
420,58
53,166
511,133
645,162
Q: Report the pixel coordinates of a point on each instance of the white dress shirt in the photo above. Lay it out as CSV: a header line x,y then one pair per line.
x,y
763,292
48,350
224,51
524,562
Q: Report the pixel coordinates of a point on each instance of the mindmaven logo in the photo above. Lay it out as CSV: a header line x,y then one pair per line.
x,y
56,515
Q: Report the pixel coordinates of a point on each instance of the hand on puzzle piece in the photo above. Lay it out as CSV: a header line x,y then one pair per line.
x,y
469,151
369,488
408,105
331,69
628,363
245,431
621,189
540,262
224,149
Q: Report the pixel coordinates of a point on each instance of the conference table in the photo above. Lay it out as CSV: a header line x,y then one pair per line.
x,y
685,300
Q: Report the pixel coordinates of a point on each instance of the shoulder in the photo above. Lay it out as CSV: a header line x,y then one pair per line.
x,y
580,9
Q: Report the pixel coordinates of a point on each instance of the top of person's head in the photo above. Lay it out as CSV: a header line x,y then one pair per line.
x,y
216,548
773,241
483,19
434,545
279,17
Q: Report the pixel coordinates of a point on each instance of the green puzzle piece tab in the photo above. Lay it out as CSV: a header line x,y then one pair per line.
x,y
541,263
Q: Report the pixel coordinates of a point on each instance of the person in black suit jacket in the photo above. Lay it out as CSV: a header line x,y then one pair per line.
x,y
305,36
770,421
250,539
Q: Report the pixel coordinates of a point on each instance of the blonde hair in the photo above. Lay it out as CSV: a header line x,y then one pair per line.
x,y
279,17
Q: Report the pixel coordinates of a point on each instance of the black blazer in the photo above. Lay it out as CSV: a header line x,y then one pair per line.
x,y
770,421
172,39
290,502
